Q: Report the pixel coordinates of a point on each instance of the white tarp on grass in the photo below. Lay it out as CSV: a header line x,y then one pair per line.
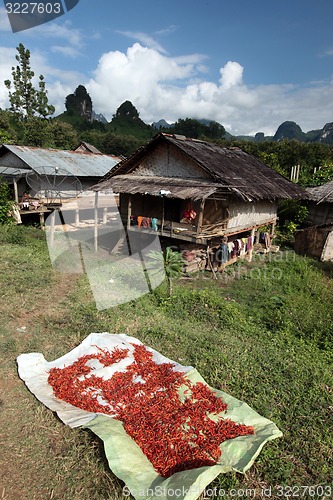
x,y
125,457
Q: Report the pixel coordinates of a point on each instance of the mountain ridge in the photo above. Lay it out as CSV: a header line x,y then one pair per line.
x,y
127,121
288,130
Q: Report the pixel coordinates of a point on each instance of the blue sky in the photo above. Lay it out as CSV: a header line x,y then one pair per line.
x,y
248,65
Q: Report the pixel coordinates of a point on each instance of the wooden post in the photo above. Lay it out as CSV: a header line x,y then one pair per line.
x,y
129,211
41,218
105,215
52,226
77,217
162,222
16,191
96,222
250,252
202,206
210,263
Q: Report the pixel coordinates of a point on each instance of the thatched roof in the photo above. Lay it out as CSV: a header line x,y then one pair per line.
x,y
321,194
232,169
161,186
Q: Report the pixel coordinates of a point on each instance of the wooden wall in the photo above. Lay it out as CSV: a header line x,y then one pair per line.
x,y
320,214
315,241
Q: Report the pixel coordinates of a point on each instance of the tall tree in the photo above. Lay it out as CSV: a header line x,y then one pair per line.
x,y
25,100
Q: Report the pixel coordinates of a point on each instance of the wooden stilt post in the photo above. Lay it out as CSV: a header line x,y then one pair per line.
x,y
16,191
96,222
210,263
163,209
52,227
250,252
41,218
202,206
105,215
129,211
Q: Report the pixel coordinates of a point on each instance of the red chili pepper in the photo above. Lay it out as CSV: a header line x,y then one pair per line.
x,y
175,435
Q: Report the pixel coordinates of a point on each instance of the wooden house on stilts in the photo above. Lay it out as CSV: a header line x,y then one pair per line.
x,y
316,240
198,195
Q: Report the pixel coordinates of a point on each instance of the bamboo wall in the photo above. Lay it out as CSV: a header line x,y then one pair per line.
x,y
166,161
244,214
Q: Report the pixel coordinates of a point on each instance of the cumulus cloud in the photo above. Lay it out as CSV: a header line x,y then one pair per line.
x,y
164,87
231,74
161,86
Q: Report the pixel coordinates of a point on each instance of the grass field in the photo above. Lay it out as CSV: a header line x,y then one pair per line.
x,y
262,332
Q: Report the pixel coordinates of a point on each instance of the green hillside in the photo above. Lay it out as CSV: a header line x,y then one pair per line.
x,y
126,121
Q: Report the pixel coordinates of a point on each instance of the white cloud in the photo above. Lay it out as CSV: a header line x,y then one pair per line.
x,y
167,31
164,87
64,31
231,74
167,87
72,40
65,51
59,83
144,39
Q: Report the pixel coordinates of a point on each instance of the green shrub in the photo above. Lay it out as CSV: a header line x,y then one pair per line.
x,y
5,203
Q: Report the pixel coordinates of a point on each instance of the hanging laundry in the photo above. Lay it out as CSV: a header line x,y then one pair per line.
x,y
231,246
146,222
249,244
154,224
222,253
235,249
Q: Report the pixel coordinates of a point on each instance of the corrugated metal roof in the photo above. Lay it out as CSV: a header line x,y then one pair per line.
x,y
63,162
12,171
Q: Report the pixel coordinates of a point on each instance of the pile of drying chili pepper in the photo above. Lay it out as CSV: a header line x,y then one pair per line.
x,y
177,425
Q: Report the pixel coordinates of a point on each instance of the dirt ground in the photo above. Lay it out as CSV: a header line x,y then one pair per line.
x,y
21,421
